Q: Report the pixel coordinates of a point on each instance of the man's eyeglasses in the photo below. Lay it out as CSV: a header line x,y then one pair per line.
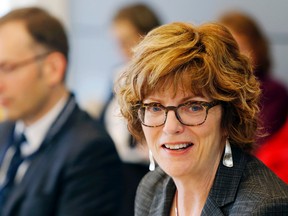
x,y
191,113
8,68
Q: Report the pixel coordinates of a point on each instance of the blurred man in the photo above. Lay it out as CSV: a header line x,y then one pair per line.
x,y
66,164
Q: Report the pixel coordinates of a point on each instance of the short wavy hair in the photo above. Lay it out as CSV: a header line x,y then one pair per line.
x,y
210,57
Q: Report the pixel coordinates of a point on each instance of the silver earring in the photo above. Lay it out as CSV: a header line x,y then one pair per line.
x,y
152,163
227,159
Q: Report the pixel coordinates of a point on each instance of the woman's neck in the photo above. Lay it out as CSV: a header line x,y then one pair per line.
x,y
192,192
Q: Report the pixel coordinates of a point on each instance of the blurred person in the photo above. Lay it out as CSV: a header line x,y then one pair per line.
x,y
274,152
65,162
253,42
129,25
192,98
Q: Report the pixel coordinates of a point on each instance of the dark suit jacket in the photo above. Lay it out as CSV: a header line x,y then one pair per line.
x,y
76,172
249,188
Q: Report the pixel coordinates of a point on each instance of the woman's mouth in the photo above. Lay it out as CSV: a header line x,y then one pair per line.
x,y
177,146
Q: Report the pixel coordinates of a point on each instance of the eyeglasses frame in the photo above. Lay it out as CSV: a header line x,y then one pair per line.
x,y
23,63
206,105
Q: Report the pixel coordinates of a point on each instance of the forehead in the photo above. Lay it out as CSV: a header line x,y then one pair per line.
x,y
177,84
170,93
14,39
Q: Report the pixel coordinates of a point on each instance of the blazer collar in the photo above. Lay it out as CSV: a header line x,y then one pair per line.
x,y
226,183
159,205
61,119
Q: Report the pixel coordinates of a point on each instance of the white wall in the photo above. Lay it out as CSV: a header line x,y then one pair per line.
x,y
94,54
59,8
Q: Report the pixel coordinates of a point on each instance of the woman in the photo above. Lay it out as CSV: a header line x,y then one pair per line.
x,y
192,97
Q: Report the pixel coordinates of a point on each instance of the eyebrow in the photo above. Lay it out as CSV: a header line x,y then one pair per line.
x,y
183,100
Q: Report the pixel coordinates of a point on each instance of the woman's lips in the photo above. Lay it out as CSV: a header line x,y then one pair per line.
x,y
177,147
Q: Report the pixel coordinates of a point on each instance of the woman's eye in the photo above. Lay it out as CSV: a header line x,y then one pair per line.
x,y
154,109
195,108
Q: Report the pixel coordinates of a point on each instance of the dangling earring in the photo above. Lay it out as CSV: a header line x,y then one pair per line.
x,y
152,163
227,159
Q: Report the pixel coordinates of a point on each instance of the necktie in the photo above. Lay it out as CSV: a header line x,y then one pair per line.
x,y
15,162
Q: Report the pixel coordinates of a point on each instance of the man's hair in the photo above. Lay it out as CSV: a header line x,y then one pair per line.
x,y
44,28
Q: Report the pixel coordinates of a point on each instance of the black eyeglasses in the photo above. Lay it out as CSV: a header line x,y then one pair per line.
x,y
191,113
8,68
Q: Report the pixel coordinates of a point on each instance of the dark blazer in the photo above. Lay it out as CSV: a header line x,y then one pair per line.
x,y
249,188
76,172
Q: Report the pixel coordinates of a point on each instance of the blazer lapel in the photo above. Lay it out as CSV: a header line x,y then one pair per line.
x,y
61,120
6,132
211,208
225,185
19,190
162,206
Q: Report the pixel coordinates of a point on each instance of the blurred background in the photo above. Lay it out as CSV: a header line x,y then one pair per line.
x,y
95,55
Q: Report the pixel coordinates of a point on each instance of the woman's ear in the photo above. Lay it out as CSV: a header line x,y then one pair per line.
x,y
55,68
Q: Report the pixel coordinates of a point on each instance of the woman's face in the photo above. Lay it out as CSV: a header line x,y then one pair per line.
x,y
182,150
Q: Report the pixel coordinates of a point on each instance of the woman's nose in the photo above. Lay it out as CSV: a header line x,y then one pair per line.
x,y
172,124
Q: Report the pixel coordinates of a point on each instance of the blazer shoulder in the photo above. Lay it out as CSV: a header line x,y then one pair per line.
x,y
260,191
272,206
264,182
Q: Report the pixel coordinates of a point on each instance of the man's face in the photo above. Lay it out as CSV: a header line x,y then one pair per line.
x,y
23,85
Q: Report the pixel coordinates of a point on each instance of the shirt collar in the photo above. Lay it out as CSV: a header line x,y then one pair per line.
x,y
36,132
